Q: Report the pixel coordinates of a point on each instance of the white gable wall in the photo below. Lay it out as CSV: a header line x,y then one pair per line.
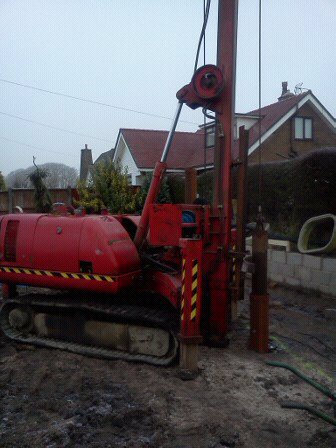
x,y
124,157
243,120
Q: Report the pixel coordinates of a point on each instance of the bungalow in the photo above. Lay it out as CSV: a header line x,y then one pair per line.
x,y
140,149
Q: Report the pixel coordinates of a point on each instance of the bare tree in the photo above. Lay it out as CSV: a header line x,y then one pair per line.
x,y
59,176
19,178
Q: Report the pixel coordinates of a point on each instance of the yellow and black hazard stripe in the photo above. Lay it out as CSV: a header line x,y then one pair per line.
x,y
57,274
183,287
194,288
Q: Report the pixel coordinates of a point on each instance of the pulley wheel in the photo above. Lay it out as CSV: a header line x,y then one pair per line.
x,y
208,81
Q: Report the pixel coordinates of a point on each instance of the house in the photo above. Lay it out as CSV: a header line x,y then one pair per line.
x,y
294,125
105,156
140,149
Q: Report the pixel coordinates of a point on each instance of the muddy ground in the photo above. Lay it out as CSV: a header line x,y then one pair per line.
x,y
55,399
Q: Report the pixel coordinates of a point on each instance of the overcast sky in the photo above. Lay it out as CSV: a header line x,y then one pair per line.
x,y
135,55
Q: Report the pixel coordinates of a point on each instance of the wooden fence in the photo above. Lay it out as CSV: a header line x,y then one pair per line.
x,y
24,198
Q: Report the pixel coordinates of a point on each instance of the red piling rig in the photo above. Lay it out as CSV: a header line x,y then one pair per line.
x,y
98,254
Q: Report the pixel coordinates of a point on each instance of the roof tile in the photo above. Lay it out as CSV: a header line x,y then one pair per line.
x,y
146,147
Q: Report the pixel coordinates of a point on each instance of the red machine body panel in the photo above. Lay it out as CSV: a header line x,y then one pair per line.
x,y
69,252
55,243
26,237
171,222
111,250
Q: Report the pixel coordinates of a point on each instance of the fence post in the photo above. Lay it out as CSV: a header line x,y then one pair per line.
x,y
69,194
10,200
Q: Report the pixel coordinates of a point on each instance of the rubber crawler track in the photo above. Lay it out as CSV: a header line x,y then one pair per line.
x,y
148,317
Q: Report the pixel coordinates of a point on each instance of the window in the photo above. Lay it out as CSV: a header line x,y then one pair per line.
x,y
303,128
210,137
235,131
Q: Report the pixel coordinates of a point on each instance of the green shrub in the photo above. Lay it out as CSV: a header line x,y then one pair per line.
x,y
205,186
164,195
176,184
2,183
109,188
293,191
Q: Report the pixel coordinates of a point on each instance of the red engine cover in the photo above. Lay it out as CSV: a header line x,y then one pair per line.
x,y
89,252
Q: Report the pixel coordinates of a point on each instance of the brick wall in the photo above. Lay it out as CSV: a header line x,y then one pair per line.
x,y
282,140
278,143
303,271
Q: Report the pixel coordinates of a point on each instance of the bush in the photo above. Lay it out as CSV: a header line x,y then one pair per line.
x,y
2,183
205,186
293,191
109,188
164,195
176,184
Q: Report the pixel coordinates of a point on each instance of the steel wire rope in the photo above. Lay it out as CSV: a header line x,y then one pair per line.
x,y
34,147
53,127
205,189
99,103
206,11
202,35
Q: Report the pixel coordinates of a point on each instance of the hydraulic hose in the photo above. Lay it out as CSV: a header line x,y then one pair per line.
x,y
318,386
297,372
305,407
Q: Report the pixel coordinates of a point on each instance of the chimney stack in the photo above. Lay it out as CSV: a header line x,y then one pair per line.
x,y
286,93
284,87
85,163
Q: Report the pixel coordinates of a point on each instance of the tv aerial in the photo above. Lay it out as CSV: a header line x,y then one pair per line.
x,y
298,88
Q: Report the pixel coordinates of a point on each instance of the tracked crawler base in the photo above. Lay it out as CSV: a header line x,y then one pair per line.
x,y
94,328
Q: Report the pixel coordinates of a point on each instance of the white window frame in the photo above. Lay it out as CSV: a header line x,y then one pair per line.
x,y
305,132
210,137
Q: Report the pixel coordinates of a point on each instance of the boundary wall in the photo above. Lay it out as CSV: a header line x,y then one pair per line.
x,y
303,271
